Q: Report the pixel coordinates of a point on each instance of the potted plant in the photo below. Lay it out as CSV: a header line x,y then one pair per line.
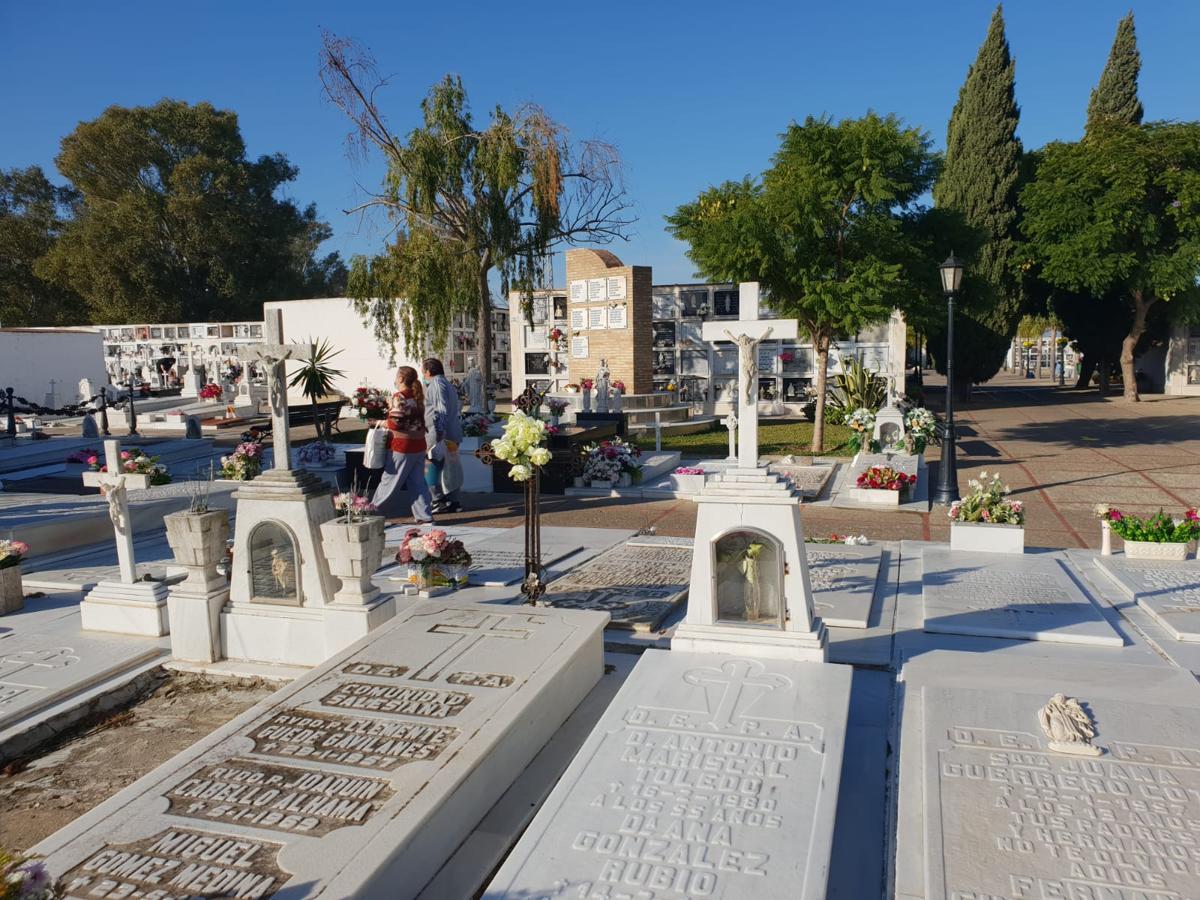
x,y
986,519
435,562
140,470
611,463
353,543
688,479
244,463
12,594
1157,536
557,407
882,485
315,379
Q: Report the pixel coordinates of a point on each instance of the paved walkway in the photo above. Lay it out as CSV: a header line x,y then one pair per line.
x,y
1061,451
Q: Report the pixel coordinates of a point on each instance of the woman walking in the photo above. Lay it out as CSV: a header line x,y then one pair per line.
x,y
403,482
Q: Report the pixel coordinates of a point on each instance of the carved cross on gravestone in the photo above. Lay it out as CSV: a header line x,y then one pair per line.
x,y
274,355
114,487
733,677
747,333
730,423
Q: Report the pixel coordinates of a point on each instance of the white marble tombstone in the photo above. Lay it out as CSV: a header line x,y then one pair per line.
x,y
193,381
889,427
750,588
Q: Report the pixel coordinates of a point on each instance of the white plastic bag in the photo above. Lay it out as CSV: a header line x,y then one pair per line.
x,y
452,471
375,450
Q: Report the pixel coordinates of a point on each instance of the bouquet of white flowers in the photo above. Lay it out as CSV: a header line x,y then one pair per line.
x,y
521,445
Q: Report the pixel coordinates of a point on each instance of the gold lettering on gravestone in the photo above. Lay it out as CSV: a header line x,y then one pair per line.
x,y
179,864
427,703
378,744
375,670
478,679
282,798
1123,825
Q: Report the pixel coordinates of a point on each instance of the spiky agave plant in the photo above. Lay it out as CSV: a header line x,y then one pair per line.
x,y
315,378
857,387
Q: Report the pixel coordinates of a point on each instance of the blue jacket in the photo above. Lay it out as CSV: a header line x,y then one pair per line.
x,y
443,411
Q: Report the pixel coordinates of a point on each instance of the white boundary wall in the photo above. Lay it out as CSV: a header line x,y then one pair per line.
x,y
31,357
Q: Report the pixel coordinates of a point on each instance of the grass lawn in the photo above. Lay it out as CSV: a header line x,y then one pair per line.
x,y
774,439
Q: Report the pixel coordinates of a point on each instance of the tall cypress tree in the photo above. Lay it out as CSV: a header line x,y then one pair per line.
x,y
980,181
1115,97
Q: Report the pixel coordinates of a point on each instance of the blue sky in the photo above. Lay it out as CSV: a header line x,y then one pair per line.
x,y
691,93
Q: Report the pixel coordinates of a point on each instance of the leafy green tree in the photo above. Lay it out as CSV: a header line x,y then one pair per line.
x,y
824,230
1119,213
33,213
466,201
174,222
980,180
1115,97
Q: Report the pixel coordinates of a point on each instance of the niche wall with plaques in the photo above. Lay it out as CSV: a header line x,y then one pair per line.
x,y
609,316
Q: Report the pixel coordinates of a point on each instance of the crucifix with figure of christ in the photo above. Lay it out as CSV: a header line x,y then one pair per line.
x,y
274,354
747,333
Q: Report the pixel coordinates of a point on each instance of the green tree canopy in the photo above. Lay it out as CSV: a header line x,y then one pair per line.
x,y
465,201
824,230
1119,213
33,213
980,180
175,223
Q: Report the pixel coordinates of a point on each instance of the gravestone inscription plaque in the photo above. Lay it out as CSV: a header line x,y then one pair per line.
x,y
1170,592
359,779
709,775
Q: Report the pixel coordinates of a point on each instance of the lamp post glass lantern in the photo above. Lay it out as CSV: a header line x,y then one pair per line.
x,y
951,272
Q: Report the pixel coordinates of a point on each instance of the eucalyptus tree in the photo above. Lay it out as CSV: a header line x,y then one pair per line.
x,y
466,200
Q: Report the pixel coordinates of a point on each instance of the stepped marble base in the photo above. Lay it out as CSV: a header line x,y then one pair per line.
x,y
138,608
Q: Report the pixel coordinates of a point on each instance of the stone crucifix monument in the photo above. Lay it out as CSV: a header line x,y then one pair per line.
x,y
750,584
281,606
127,606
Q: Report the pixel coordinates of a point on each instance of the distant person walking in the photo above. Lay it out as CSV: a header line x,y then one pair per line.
x,y
403,482
443,423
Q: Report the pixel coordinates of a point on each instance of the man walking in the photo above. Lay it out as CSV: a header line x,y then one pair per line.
x,y
443,422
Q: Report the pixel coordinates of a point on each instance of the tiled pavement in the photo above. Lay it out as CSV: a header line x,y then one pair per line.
x,y
1062,451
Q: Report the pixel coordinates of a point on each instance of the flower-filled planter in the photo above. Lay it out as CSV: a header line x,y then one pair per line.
x,y
1155,537
883,486
986,520
211,393
435,562
605,463
354,549
12,593
244,463
198,541
688,480
140,471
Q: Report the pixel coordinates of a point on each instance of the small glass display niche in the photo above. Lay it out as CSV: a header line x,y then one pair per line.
x,y
748,570
273,566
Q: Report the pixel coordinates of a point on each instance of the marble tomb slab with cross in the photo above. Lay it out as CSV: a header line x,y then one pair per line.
x,y
709,775
359,779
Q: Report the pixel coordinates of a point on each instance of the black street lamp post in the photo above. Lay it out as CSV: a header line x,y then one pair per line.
x,y
947,489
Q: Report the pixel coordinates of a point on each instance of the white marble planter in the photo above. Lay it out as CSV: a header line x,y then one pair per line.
x,y
198,541
12,594
132,482
987,538
1174,551
355,552
687,484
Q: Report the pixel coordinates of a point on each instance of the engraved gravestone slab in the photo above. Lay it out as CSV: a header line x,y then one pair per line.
x,y
1027,597
1006,815
1170,592
843,581
708,776
42,668
637,585
499,568
359,779
809,481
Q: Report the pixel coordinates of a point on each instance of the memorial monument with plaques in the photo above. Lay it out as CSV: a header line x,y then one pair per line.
x,y
281,600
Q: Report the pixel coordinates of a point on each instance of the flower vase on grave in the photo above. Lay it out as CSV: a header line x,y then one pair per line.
x,y
355,552
12,593
198,540
587,400
1105,538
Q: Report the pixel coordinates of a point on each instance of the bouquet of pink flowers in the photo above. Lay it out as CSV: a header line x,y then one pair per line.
x,y
244,463
618,385
11,553
689,470
135,462
587,384
83,457
433,558
355,507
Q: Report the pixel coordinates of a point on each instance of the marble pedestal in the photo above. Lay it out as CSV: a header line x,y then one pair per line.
x,y
139,607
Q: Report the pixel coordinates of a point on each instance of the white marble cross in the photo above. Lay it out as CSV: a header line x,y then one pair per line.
x,y
274,354
747,333
115,490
